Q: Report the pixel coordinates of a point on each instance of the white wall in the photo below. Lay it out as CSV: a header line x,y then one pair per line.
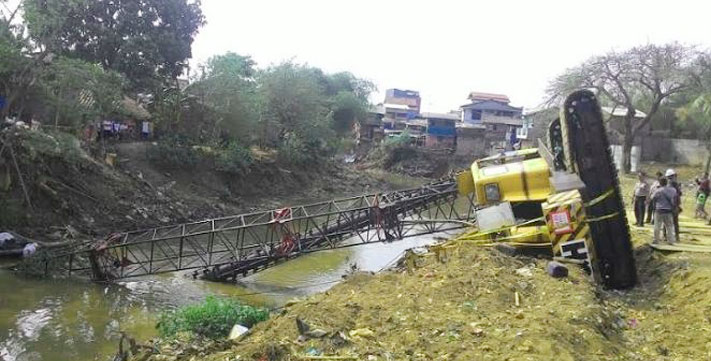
x,y
617,157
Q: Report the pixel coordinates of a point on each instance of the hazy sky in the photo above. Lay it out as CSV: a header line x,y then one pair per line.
x,y
444,48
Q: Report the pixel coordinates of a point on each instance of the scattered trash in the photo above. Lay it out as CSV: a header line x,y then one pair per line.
x,y
362,332
29,250
632,323
237,332
313,351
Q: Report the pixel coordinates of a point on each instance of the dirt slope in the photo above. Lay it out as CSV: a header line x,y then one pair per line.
x,y
68,187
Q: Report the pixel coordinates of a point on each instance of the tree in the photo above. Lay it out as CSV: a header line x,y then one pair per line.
x,y
78,91
144,40
20,63
349,100
292,97
226,85
645,74
698,115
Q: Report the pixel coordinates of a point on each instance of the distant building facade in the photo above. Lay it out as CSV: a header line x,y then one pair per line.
x,y
493,113
371,128
441,131
410,98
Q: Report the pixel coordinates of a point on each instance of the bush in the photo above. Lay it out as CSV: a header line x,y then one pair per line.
x,y
174,152
233,159
398,141
393,150
212,318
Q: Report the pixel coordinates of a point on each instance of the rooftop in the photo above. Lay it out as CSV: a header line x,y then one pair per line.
x,y
621,112
377,109
396,106
491,105
479,96
451,116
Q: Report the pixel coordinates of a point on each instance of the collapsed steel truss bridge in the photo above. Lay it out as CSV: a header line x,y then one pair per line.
x,y
225,248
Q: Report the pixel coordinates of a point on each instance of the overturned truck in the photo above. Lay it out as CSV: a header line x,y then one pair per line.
x,y
563,196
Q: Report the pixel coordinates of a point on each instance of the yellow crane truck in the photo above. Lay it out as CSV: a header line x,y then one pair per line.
x,y
564,195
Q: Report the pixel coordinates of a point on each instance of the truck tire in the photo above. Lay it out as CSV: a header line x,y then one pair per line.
x,y
588,155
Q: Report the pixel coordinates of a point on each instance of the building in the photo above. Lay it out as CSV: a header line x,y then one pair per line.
x,y
371,129
615,119
397,113
478,96
493,113
410,98
535,125
441,130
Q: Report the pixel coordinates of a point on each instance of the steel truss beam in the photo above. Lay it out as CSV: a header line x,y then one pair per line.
x,y
224,248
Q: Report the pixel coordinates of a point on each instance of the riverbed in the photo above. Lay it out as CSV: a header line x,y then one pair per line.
x,y
55,320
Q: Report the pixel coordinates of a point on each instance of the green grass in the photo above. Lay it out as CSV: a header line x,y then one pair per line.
x,y
213,318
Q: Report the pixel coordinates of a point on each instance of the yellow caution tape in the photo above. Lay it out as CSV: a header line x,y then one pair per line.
x,y
477,234
602,218
496,240
600,198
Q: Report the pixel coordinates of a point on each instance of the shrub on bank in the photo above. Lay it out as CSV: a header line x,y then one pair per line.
x,y
180,153
174,152
233,159
212,318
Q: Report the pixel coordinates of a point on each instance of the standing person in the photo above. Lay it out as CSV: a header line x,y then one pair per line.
x,y
639,198
704,184
672,182
702,194
665,202
700,203
650,201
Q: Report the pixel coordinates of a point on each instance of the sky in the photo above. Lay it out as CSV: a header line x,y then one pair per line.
x,y
442,48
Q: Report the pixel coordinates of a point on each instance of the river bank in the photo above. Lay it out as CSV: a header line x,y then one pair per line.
x,y
68,192
480,304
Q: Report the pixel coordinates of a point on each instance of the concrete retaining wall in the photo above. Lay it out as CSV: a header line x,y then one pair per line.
x,y
678,151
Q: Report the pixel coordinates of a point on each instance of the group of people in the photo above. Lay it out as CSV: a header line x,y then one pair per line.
x,y
661,202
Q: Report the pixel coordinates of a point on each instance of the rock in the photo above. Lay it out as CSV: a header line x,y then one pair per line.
x,y
238,331
302,326
524,271
317,333
557,269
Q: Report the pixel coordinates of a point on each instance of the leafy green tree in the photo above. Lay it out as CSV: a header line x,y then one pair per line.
x,y
349,100
144,40
293,99
310,109
697,114
629,79
20,63
78,91
226,85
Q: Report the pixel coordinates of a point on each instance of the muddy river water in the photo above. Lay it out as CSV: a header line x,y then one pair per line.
x,y
80,320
